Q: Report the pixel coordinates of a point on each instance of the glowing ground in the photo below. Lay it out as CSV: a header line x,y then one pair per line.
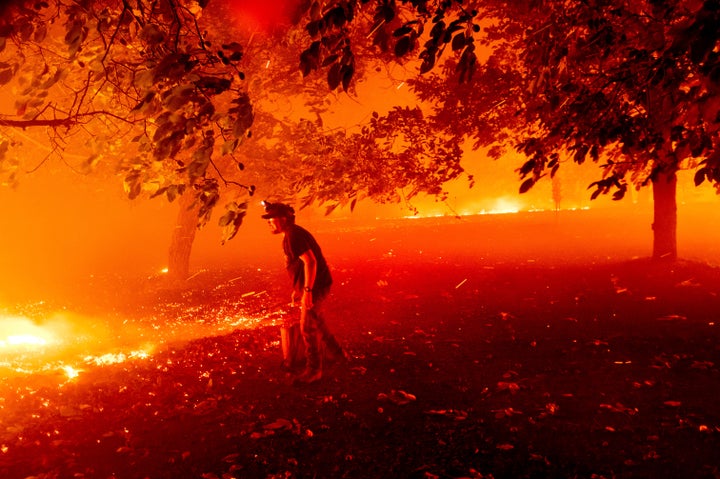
x,y
465,365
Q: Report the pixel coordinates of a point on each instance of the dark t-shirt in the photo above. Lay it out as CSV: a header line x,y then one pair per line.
x,y
296,242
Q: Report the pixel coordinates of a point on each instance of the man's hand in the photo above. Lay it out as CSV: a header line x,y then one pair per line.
x,y
306,300
293,297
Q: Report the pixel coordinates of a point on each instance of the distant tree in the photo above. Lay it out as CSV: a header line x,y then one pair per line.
x,y
631,85
556,192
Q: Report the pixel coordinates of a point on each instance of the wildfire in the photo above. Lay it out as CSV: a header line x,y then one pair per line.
x,y
64,346
114,358
23,332
30,346
71,372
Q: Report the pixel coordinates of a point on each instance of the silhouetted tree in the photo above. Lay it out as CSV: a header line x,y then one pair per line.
x,y
139,84
158,90
630,85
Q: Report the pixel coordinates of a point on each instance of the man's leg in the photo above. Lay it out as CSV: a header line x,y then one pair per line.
x,y
308,327
327,337
331,344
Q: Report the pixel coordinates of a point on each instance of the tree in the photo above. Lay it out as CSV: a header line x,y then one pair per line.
x,y
632,86
298,156
166,82
140,84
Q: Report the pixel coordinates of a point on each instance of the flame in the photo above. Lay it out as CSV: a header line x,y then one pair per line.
x,y
505,206
23,339
65,345
23,332
115,358
71,372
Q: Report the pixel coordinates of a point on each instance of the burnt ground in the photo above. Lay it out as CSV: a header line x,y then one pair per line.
x,y
464,366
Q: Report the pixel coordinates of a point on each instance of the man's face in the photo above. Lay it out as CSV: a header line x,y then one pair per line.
x,y
277,225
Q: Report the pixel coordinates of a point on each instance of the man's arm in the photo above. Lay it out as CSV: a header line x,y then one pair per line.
x,y
310,270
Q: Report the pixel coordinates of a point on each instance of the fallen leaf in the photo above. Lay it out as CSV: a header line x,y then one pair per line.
x,y
279,424
398,397
507,412
619,407
454,414
702,364
506,386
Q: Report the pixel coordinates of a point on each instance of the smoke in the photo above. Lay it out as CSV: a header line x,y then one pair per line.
x,y
58,227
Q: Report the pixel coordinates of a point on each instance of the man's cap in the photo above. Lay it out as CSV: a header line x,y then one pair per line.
x,y
277,210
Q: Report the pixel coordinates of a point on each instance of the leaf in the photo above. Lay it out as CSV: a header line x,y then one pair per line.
x,y
455,414
329,209
336,17
554,170
508,386
620,193
398,397
580,154
403,46
5,76
333,76
458,41
244,115
526,185
427,64
133,184
230,458
402,31
347,75
329,59
467,64
229,146
233,47
232,220
226,219
7,71
619,408
179,97
310,58
278,425
700,176
388,12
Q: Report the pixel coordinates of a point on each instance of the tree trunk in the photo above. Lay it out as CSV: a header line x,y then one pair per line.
x,y
182,239
665,217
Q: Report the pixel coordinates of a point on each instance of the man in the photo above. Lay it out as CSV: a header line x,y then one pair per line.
x,y
311,280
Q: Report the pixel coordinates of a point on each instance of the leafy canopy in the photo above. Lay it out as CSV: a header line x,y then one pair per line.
x,y
142,84
632,85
